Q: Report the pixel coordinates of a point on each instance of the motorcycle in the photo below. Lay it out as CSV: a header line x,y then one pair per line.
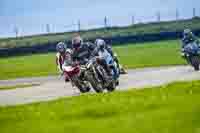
x,y
75,75
192,55
119,66
100,77
92,75
115,71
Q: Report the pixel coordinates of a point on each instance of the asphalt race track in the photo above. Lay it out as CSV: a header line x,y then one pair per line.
x,y
54,87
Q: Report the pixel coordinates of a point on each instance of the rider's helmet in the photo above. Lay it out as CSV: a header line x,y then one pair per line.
x,y
100,43
61,47
77,41
187,33
69,51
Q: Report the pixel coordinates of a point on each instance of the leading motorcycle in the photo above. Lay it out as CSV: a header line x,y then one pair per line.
x,y
100,79
92,74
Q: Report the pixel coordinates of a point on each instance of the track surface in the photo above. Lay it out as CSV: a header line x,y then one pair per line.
x,y
54,87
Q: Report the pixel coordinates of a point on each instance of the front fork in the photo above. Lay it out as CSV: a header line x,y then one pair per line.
x,y
188,59
96,74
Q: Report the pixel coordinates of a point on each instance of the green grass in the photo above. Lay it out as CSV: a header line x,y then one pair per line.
x,y
30,65
131,56
174,108
114,31
17,86
150,54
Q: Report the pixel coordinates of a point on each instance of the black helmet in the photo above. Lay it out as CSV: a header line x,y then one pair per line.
x,y
187,32
76,42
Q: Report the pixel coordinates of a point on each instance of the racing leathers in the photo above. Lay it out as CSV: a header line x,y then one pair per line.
x,y
62,60
189,39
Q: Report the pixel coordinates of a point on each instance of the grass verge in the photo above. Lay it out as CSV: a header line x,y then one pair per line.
x,y
152,54
173,108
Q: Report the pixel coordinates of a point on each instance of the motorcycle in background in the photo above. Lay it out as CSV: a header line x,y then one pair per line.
x,y
119,66
192,55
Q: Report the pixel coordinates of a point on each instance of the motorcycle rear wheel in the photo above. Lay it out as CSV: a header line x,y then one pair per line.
x,y
195,61
111,87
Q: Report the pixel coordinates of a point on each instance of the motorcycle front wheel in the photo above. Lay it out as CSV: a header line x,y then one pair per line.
x,y
95,85
111,87
82,88
195,61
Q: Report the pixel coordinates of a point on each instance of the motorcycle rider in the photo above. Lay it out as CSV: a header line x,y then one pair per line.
x,y
114,55
188,37
103,51
63,57
83,52
107,47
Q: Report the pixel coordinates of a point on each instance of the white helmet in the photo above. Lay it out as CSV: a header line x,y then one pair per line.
x,y
69,51
100,43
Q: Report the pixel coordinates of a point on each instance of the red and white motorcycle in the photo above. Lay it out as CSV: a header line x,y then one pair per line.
x,y
75,74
